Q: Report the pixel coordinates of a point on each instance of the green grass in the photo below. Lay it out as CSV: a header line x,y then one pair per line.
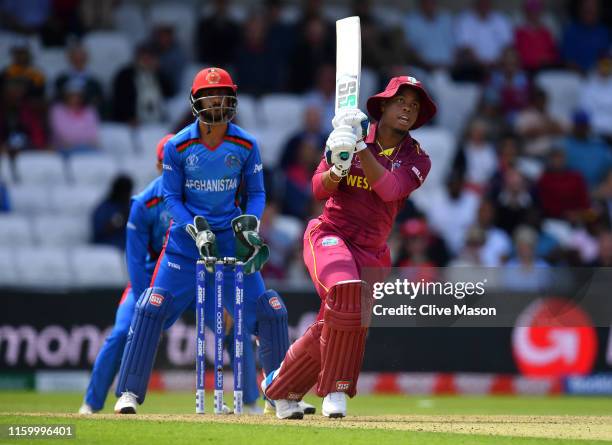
x,y
190,431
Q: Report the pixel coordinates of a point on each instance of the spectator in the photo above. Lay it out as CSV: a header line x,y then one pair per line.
x,y
429,32
453,211
513,202
281,37
508,86
258,69
596,98
74,123
314,49
24,16
217,37
323,95
97,14
21,69
172,58
477,157
300,158
63,22
497,246
22,126
603,195
471,253
4,198
77,58
561,191
585,153
585,39
420,247
536,126
139,89
110,216
534,42
604,257
526,272
481,36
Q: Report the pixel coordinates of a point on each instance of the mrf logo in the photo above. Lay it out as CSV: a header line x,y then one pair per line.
x,y
343,385
275,303
156,300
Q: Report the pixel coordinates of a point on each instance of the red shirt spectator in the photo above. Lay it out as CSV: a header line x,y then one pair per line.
x,y
533,41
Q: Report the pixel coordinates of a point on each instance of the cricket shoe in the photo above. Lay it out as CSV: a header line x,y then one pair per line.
x,y
86,409
334,405
269,408
307,407
285,409
126,403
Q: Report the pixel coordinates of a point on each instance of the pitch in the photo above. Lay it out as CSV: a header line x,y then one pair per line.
x,y
167,418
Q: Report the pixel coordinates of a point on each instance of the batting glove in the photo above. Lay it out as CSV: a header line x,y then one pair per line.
x,y
339,149
357,120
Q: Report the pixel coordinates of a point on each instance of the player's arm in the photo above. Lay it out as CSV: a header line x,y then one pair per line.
x,y
324,182
396,184
138,237
254,180
173,180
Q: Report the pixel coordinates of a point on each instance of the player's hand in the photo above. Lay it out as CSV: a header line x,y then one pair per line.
x,y
203,236
339,149
250,247
357,120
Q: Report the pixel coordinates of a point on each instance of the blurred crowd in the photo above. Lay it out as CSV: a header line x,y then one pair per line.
x,y
525,187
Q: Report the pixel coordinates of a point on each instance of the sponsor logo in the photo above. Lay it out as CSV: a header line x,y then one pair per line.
x,y
412,80
166,167
343,385
275,303
361,182
212,185
174,265
294,396
191,163
156,300
418,174
330,241
258,168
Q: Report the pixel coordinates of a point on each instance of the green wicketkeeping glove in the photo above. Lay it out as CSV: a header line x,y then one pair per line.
x,y
204,238
250,247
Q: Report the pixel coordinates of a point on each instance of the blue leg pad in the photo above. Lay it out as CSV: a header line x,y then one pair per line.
x,y
272,330
141,346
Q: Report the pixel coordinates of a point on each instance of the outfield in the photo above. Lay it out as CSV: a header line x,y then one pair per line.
x,y
374,420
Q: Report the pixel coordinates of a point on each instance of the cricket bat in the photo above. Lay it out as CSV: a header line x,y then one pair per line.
x,y
348,63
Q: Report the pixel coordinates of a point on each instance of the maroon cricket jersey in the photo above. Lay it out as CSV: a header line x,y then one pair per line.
x,y
356,210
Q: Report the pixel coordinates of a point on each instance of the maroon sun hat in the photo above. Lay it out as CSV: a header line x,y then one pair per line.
x,y
428,107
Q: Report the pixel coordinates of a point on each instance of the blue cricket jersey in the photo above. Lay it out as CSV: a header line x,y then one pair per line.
x,y
146,231
208,181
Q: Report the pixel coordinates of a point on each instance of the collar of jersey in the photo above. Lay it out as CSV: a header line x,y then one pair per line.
x,y
194,133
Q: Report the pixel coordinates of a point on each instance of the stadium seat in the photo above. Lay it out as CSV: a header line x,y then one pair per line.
x,y
116,139
177,108
109,51
29,199
335,12
8,273
247,112
189,73
15,230
95,169
41,168
388,16
147,137
6,174
130,21
67,231
271,142
284,112
79,200
456,102
99,266
181,15
563,89
142,169
368,86
7,41
52,62
291,226
43,267
236,11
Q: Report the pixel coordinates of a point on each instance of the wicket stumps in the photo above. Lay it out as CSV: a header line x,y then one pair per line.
x,y
219,330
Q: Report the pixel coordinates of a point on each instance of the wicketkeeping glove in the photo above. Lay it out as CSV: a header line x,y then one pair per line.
x,y
250,247
357,120
204,238
339,149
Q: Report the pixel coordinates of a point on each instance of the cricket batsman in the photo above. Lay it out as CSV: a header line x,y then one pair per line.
x,y
206,165
146,229
365,182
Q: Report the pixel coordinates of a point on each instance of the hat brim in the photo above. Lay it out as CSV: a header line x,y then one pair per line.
x,y
427,110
